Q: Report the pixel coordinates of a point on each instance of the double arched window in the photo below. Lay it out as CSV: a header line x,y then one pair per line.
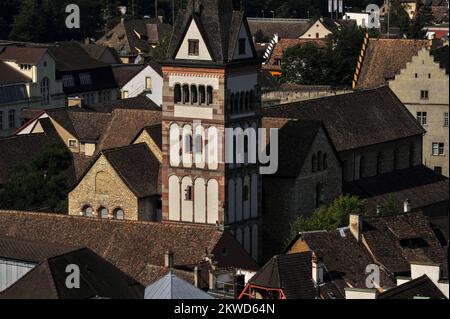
x,y
193,94
241,102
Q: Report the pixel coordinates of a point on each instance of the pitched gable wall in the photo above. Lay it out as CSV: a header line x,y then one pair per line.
x,y
318,28
243,34
193,33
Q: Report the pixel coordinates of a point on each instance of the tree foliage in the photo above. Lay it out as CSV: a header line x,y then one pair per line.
x,y
329,218
40,184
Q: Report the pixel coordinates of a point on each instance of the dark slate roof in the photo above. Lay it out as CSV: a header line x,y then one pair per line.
x,y
419,287
98,279
9,75
291,273
70,56
219,23
21,54
387,239
356,119
376,71
155,132
125,126
140,102
125,72
83,125
96,51
29,251
136,248
157,67
421,185
294,138
126,42
285,28
138,167
441,56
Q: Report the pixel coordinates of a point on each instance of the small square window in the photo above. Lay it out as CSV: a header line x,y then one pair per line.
x,y
438,170
242,46
424,95
73,143
193,47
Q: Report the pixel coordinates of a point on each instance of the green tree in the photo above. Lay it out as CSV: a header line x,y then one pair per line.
x,y
159,52
329,218
41,184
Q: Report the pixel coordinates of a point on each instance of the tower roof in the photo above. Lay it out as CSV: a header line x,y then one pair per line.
x,y
219,22
172,287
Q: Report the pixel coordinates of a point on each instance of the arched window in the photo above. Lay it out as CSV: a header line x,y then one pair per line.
x,y
103,212
247,101
362,166
202,94
45,91
319,161
320,195
314,163
252,99
186,98
177,93
119,214
325,161
242,102
231,104
236,103
412,155
194,97
88,211
379,163
209,95
396,158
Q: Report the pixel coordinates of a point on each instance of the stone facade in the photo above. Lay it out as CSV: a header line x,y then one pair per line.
x,y
144,137
424,74
101,188
285,199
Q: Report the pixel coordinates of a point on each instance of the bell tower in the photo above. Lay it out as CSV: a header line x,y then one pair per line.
x,y
211,83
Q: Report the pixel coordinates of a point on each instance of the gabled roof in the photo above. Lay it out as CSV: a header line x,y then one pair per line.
x,y
124,73
97,51
285,28
356,119
173,287
421,287
22,55
155,132
98,279
138,168
70,56
291,273
140,102
385,58
11,75
136,248
294,138
219,23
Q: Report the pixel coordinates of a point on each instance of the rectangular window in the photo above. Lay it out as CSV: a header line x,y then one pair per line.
x,y
1,120
148,83
438,169
188,193
125,94
422,118
278,61
438,149
68,80
446,119
193,47
242,45
85,79
424,95
245,194
12,119
73,143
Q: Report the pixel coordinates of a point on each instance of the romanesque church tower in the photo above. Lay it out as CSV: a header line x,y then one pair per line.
x,y
211,82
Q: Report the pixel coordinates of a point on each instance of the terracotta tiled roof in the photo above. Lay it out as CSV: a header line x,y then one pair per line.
x,y
24,55
133,247
356,119
384,58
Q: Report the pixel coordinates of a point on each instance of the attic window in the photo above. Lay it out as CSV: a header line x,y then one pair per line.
x,y
25,67
194,47
242,46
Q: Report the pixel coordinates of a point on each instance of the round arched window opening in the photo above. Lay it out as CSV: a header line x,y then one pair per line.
x,y
88,211
119,214
103,212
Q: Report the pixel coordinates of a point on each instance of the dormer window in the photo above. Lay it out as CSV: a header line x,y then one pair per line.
x,y
242,46
68,80
194,47
25,67
85,79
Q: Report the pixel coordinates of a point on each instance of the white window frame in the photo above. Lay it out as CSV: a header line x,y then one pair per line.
x,y
72,140
422,118
438,149
446,119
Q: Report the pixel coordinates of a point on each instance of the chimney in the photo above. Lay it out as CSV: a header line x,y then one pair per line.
x,y
317,270
122,10
168,259
356,226
407,206
161,19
